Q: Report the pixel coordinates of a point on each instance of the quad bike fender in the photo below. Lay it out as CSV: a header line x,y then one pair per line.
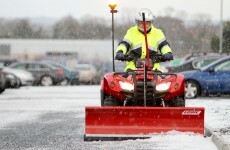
x,y
110,86
177,87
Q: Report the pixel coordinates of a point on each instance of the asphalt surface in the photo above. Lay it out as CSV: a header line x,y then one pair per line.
x,y
55,129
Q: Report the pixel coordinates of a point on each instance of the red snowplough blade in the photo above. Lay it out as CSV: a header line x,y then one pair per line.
x,y
118,123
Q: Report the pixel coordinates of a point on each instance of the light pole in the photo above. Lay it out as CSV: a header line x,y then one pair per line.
x,y
112,5
221,27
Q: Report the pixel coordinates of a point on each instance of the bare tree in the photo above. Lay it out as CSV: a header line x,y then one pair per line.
x,y
67,28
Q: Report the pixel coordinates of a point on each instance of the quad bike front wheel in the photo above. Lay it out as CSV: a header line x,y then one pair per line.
x,y
111,101
176,102
107,100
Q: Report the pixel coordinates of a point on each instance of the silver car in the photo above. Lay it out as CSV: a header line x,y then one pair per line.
x,y
44,74
26,78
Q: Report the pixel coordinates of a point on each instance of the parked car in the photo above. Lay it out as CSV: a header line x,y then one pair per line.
x,y
44,74
192,64
16,78
72,77
212,79
87,73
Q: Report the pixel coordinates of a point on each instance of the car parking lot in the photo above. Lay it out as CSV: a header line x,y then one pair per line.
x,y
47,73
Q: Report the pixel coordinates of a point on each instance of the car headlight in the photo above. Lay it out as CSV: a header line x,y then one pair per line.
x,y
10,76
126,86
163,87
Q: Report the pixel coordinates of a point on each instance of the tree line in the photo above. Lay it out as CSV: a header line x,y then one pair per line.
x,y
196,36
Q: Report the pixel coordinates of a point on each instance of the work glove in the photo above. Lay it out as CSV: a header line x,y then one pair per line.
x,y
168,56
120,56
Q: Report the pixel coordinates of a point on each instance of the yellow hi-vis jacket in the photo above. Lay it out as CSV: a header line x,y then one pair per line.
x,y
135,40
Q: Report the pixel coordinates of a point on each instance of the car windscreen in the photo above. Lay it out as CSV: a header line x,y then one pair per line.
x,y
52,66
204,62
1,64
205,67
82,67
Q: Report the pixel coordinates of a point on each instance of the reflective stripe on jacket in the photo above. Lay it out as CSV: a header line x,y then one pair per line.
x,y
135,40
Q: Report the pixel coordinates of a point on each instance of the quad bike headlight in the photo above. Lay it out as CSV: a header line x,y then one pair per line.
x,y
126,86
163,87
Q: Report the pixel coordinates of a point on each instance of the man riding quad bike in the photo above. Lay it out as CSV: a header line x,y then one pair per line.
x,y
142,100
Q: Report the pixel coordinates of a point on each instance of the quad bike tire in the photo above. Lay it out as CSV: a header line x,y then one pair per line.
x,y
111,101
107,100
176,102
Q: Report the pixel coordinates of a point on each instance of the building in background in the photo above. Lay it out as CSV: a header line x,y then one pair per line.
x,y
4,49
30,49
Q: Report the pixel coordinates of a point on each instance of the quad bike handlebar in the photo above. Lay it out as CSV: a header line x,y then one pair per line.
x,y
154,58
139,62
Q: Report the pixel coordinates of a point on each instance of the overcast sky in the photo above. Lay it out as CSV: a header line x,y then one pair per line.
x,y
99,8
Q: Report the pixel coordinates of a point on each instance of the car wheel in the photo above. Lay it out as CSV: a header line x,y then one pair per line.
x,y
2,89
64,82
192,89
46,80
2,83
17,84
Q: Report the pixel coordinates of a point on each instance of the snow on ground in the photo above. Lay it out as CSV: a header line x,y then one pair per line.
x,y
172,141
27,104
41,99
217,112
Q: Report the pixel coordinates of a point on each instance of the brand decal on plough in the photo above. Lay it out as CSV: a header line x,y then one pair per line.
x,y
191,112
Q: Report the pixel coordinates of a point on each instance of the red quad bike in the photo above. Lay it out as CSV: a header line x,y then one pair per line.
x,y
143,87
139,103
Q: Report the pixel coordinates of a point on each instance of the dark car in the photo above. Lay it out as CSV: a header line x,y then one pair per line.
x,y
44,74
71,76
193,64
212,79
2,81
